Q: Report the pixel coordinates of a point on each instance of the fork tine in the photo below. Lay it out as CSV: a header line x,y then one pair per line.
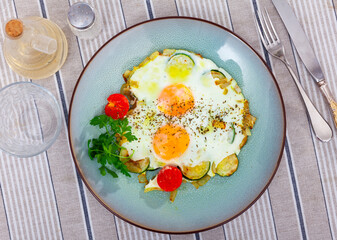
x,y
264,32
271,38
271,24
260,33
265,43
259,26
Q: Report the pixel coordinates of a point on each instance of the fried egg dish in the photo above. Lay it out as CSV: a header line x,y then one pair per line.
x,y
186,112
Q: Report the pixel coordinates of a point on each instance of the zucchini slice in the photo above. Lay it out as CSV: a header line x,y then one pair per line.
x,y
227,166
181,58
220,79
180,65
197,172
152,168
216,74
139,166
201,182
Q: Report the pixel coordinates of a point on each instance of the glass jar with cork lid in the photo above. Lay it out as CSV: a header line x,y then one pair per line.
x,y
34,47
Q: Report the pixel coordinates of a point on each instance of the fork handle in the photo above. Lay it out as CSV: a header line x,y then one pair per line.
x,y
328,95
321,128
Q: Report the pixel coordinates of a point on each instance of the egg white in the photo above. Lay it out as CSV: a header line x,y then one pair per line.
x,y
209,103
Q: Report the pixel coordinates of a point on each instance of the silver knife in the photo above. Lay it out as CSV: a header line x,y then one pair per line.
x,y
305,51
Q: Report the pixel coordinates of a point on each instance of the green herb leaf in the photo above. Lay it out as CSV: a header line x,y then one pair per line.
x,y
105,148
112,173
102,170
99,121
130,137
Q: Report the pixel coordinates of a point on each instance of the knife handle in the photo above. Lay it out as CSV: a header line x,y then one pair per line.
x,y
328,95
321,128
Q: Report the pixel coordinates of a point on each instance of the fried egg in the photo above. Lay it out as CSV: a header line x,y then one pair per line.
x,y
188,111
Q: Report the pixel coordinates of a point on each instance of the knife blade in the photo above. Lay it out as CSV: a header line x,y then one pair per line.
x,y
305,51
299,39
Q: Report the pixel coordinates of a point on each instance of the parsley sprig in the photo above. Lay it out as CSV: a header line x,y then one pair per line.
x,y
105,148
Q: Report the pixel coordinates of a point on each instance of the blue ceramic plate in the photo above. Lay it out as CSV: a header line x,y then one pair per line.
x,y
221,199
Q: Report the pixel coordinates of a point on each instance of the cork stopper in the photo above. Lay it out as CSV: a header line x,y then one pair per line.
x,y
14,28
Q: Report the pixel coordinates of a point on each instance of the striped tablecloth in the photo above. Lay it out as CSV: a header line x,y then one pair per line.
x,y
43,197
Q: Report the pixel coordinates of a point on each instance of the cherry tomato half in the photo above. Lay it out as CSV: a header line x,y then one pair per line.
x,y
117,107
169,178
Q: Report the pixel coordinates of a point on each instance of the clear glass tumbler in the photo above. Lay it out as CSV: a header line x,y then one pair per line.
x,y
30,119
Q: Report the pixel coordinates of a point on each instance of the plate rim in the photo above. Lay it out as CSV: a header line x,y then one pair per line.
x,y
96,195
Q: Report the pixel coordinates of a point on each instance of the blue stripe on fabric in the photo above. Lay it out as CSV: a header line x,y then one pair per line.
x,y
230,16
149,9
116,227
293,179
272,213
121,6
52,183
334,8
175,2
16,13
79,50
64,106
289,158
197,236
320,178
39,119
63,100
43,9
84,204
3,203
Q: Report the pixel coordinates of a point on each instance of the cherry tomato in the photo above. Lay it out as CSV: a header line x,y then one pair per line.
x,y
169,178
117,107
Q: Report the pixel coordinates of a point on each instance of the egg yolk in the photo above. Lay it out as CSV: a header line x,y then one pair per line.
x,y
170,141
175,100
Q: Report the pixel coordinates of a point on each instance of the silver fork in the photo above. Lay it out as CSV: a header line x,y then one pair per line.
x,y
272,43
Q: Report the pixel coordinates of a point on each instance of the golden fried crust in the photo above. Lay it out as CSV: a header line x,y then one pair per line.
x,y
128,74
248,119
244,140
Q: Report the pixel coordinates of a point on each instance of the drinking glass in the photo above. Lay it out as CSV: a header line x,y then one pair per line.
x,y
30,119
